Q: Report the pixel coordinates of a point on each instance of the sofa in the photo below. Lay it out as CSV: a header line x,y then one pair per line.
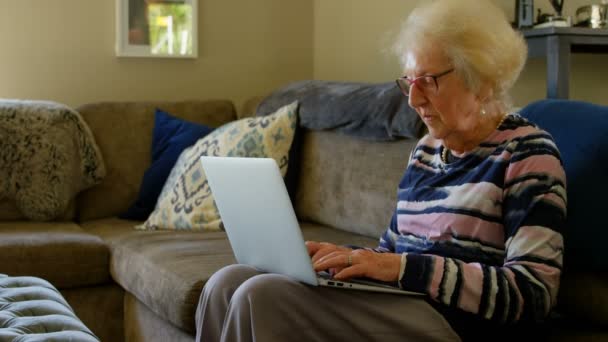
x,y
134,285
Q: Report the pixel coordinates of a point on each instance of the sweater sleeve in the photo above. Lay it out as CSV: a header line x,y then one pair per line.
x,y
388,238
524,287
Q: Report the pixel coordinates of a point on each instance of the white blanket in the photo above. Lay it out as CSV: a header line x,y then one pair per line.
x,y
47,156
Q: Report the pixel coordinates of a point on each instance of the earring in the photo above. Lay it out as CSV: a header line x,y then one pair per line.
x,y
483,111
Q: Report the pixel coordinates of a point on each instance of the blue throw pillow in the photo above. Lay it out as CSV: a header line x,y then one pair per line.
x,y
580,132
170,137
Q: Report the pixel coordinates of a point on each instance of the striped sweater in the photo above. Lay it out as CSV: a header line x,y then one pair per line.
x,y
482,233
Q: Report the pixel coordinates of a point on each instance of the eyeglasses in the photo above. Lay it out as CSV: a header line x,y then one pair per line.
x,y
426,83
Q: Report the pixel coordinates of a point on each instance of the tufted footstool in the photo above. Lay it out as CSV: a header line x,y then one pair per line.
x,y
32,310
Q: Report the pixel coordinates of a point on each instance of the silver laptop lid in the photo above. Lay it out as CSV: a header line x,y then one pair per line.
x,y
259,219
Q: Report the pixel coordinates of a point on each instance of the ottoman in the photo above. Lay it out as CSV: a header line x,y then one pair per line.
x,y
32,310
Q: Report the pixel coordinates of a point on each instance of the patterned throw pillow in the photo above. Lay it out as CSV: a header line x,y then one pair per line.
x,y
186,202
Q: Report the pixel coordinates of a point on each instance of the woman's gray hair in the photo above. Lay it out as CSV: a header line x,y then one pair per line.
x,y
475,35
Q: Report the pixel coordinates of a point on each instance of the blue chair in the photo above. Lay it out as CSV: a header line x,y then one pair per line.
x,y
580,131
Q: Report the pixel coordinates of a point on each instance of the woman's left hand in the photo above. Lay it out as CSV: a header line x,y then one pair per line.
x,y
363,263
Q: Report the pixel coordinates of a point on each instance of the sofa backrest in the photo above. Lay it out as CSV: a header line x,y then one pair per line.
x,y
123,132
10,212
349,183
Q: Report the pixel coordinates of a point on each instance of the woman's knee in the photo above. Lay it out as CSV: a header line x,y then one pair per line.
x,y
231,276
263,288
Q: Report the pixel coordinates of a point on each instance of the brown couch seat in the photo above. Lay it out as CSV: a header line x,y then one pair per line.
x,y
166,270
59,252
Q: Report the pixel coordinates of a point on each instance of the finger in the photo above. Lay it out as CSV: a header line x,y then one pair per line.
x,y
323,252
358,270
334,270
357,265
328,248
335,259
312,247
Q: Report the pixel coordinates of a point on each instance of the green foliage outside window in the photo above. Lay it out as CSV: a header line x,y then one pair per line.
x,y
170,28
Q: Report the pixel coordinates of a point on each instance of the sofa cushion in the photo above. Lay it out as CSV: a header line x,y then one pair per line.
x,y
101,308
371,111
249,107
186,202
170,137
61,253
317,232
166,270
142,324
579,130
349,183
10,212
123,132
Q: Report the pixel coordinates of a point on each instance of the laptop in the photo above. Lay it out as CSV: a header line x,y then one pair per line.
x,y
261,224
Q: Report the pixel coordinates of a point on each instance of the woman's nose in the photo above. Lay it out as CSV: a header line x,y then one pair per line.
x,y
417,97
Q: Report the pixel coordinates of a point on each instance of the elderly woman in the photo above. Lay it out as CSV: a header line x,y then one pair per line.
x,y
478,215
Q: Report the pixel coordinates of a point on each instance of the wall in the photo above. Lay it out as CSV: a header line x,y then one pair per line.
x,y
352,41
63,50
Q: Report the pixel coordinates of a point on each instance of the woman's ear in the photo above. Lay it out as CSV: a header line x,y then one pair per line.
x,y
485,93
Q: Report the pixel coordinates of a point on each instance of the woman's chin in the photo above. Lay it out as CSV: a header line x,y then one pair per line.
x,y
434,133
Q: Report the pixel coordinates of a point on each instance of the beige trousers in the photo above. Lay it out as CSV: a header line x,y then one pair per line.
x,y
239,303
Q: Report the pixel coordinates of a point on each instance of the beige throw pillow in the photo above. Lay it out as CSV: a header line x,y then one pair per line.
x,y
186,202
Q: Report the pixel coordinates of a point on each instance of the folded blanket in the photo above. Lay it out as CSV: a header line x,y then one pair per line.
x,y
370,111
47,155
